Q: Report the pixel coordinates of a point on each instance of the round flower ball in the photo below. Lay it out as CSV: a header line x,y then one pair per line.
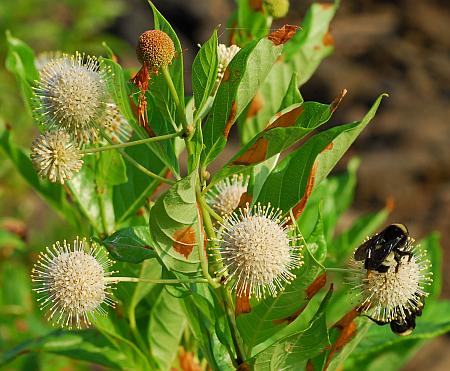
x,y
257,251
225,196
72,95
55,156
73,283
392,295
155,49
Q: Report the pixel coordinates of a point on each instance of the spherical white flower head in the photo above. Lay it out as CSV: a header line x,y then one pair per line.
x,y
71,95
73,283
391,295
226,54
225,196
55,156
257,251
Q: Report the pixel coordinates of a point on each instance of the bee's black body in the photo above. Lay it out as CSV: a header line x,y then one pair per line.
x,y
376,250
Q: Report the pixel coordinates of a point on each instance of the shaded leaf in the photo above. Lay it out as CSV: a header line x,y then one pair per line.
x,y
313,43
131,245
204,71
287,183
165,328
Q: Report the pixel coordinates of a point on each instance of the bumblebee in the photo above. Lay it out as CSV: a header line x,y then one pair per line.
x,y
385,249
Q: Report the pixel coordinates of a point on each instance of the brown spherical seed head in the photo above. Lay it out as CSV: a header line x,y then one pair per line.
x,y
155,48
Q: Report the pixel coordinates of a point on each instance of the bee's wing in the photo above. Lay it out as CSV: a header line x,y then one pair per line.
x,y
361,251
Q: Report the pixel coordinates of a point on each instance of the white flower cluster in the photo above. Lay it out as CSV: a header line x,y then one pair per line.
x,y
73,283
398,293
73,105
257,251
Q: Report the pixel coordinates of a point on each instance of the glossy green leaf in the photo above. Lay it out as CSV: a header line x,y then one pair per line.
x,y
335,195
118,88
293,352
174,225
86,345
431,246
204,71
434,321
131,245
133,194
84,190
111,168
20,62
312,44
266,102
293,124
286,185
245,73
166,326
116,330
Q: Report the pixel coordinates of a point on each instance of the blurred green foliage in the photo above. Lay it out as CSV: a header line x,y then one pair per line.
x,y
26,223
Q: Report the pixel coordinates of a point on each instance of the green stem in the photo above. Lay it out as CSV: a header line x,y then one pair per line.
x,y
129,144
137,165
237,340
144,169
137,335
299,232
214,214
173,92
162,281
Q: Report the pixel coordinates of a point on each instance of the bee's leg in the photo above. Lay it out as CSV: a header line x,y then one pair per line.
x,y
398,259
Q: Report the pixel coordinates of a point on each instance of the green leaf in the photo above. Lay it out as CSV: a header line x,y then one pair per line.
x,y
434,321
174,227
131,245
245,73
286,185
116,330
84,190
111,168
432,247
26,69
204,71
283,130
335,196
293,352
266,319
266,102
130,196
87,345
201,322
166,326
251,23
53,193
118,89
292,95
312,43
